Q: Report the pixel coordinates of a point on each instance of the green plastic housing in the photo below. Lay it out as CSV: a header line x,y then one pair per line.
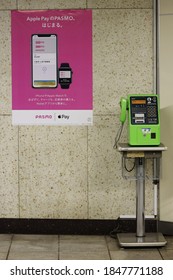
x,y
143,134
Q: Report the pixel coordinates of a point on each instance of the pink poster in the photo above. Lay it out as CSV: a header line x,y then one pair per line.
x,y
52,67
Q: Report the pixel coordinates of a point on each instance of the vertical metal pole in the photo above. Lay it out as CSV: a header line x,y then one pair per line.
x,y
155,85
140,197
155,190
156,45
156,178
156,48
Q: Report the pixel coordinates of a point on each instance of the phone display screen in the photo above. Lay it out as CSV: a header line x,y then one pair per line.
x,y
44,61
65,74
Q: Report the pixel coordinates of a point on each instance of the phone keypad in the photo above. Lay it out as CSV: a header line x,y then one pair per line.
x,y
151,112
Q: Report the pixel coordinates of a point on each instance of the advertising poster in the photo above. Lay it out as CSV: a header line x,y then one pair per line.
x,y
52,67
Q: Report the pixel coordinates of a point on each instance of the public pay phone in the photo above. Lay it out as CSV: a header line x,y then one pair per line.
x,y
143,119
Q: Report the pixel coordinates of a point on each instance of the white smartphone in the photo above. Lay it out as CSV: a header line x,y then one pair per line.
x,y
44,61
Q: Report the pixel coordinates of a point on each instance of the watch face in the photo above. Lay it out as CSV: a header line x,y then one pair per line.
x,y
64,76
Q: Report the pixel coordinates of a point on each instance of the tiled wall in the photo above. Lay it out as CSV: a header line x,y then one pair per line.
x,y
166,85
74,172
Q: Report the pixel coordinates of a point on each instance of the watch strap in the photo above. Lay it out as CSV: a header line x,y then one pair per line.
x,y
65,65
64,85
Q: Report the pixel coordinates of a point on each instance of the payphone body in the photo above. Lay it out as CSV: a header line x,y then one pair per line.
x,y
143,119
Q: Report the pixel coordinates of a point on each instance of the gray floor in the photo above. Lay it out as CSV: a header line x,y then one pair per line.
x,y
75,247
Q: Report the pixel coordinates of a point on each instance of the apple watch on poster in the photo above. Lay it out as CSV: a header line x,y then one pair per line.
x,y
65,75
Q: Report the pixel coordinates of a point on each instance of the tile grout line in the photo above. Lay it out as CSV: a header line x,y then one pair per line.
x,y
9,247
107,248
58,247
160,254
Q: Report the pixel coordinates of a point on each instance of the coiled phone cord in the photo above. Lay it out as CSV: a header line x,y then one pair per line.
x,y
118,135
117,138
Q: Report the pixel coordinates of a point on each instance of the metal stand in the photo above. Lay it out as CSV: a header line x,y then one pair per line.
x,y
141,239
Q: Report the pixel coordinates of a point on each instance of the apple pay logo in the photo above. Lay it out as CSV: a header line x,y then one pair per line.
x,y
64,117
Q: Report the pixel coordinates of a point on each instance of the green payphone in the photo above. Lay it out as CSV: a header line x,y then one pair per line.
x,y
143,118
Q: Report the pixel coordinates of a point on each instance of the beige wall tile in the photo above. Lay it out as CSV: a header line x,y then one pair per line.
x,y
53,172
110,195
166,99
8,4
51,4
107,189
166,6
9,195
5,63
166,61
120,4
122,54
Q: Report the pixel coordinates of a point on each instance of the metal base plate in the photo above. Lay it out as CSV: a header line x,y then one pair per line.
x,y
149,240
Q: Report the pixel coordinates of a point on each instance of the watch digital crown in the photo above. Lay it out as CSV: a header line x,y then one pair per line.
x,y
65,75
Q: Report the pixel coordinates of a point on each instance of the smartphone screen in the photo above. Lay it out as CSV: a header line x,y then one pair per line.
x,y
44,61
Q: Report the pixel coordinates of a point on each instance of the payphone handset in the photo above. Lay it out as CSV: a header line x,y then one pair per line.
x,y
123,105
143,119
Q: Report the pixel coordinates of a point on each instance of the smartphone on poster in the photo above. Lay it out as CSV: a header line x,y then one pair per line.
x,y
44,61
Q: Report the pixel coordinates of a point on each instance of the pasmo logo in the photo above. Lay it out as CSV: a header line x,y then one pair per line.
x,y
43,116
